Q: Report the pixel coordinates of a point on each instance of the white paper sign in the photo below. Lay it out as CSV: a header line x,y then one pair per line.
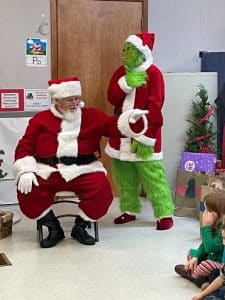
x,y
10,100
37,99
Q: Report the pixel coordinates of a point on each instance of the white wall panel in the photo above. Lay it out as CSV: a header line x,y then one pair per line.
x,y
180,91
11,129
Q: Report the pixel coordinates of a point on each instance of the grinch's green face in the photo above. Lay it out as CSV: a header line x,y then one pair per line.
x,y
132,57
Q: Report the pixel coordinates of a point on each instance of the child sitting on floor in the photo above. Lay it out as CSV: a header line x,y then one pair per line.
x,y
208,256
216,290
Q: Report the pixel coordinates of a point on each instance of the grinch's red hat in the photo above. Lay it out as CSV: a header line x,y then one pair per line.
x,y
143,42
65,87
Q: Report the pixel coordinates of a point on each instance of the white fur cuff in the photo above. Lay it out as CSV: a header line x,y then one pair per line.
x,y
124,86
124,124
23,165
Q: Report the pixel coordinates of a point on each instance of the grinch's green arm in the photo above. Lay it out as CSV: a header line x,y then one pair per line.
x,y
136,78
142,151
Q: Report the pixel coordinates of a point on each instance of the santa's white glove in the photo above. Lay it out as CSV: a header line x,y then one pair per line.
x,y
136,115
25,182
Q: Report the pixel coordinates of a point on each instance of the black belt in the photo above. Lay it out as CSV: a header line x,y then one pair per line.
x,y
68,160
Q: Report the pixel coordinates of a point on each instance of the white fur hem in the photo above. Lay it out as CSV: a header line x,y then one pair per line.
x,y
44,171
23,165
84,216
145,140
124,124
70,172
129,156
124,86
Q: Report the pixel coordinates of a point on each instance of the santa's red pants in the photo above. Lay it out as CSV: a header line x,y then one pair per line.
x,y
94,192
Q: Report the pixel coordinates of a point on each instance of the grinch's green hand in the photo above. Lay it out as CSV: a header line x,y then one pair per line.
x,y
136,78
142,151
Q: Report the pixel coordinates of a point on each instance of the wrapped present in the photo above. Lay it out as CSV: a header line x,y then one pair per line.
x,y
198,162
188,192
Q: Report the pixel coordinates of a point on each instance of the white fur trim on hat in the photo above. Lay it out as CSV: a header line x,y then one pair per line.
x,y
138,43
65,89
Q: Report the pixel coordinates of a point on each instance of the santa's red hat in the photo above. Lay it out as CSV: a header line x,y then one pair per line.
x,y
143,42
65,87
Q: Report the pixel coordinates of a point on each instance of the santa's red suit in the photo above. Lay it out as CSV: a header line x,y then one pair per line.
x,y
50,137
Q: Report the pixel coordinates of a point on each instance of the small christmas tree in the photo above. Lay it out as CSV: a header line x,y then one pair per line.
x,y
201,136
1,161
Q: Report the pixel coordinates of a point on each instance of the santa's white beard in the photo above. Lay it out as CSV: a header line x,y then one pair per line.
x,y
70,115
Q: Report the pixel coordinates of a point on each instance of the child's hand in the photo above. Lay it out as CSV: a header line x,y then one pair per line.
x,y
198,297
208,218
191,264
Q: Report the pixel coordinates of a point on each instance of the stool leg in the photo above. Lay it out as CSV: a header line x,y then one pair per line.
x,y
96,231
40,231
89,225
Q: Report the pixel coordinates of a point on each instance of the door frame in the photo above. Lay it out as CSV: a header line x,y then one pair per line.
x,y
54,31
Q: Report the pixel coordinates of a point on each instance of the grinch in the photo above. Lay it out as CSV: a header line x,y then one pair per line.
x,y
137,162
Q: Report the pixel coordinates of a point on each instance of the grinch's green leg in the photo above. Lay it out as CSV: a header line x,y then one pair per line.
x,y
156,186
127,180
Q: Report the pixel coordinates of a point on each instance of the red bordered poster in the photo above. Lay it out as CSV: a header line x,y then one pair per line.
x,y
11,100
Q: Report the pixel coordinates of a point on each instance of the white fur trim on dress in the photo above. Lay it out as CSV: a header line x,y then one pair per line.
x,y
129,101
145,140
138,43
125,153
84,216
65,89
44,171
67,137
73,171
124,86
70,172
124,124
23,165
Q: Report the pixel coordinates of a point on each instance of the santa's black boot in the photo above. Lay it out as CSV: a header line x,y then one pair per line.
x,y
56,233
80,234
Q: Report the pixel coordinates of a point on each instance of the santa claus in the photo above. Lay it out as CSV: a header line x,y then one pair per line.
x,y
57,153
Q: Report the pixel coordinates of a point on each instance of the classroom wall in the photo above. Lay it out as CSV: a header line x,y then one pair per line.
x,y
183,28
19,20
180,90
